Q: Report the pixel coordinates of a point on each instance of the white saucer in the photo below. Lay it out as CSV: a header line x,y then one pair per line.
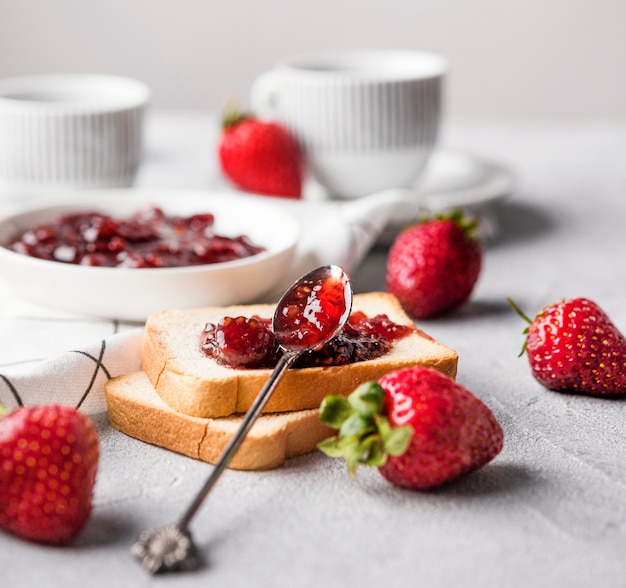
x,y
456,179
451,180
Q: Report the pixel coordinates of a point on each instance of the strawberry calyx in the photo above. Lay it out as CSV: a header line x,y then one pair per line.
x,y
232,116
365,436
468,224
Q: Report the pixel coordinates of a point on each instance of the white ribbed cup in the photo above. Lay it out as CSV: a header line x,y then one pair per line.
x,y
70,131
367,120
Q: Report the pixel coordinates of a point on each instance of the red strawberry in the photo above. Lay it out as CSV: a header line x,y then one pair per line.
x,y
573,346
260,156
433,266
419,427
48,462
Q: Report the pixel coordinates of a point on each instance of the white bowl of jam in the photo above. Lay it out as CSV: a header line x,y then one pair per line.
x,y
124,254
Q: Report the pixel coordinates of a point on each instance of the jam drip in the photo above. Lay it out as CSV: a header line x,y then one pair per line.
x,y
242,342
147,239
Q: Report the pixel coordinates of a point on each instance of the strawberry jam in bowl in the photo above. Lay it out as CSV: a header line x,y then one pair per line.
x,y
148,238
125,254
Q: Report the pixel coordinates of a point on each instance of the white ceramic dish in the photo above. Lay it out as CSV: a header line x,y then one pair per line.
x,y
452,180
60,131
456,179
132,294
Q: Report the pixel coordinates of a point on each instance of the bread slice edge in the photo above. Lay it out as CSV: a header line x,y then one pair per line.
x,y
193,384
135,409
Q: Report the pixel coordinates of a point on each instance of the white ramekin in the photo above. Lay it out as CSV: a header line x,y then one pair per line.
x,y
70,131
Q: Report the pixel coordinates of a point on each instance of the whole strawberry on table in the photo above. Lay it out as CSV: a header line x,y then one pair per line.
x,y
48,464
573,346
433,266
260,156
420,428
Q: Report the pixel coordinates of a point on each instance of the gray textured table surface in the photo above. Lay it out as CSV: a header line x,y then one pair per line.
x,y
549,511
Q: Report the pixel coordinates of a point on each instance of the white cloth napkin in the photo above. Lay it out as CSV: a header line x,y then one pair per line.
x,y
51,357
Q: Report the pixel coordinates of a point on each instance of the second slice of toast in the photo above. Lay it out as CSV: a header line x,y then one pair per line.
x,y
134,408
194,384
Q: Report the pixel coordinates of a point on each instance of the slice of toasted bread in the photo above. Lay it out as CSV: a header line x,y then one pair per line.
x,y
134,408
196,385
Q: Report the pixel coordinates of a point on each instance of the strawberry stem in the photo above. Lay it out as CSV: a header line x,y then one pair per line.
x,y
520,312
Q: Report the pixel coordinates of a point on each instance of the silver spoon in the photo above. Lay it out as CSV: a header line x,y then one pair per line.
x,y
310,313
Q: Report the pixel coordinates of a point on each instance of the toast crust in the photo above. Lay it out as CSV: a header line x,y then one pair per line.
x,y
135,409
193,384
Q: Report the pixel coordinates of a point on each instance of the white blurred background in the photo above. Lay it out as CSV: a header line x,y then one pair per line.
x,y
547,60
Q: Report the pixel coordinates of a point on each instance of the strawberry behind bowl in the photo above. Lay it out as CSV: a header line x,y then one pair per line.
x,y
260,156
48,463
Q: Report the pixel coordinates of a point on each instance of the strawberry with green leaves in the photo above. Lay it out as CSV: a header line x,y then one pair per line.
x,y
260,156
433,266
419,427
573,346
48,462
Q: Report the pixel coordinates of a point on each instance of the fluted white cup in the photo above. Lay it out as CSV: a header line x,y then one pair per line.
x,y
367,120
70,131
